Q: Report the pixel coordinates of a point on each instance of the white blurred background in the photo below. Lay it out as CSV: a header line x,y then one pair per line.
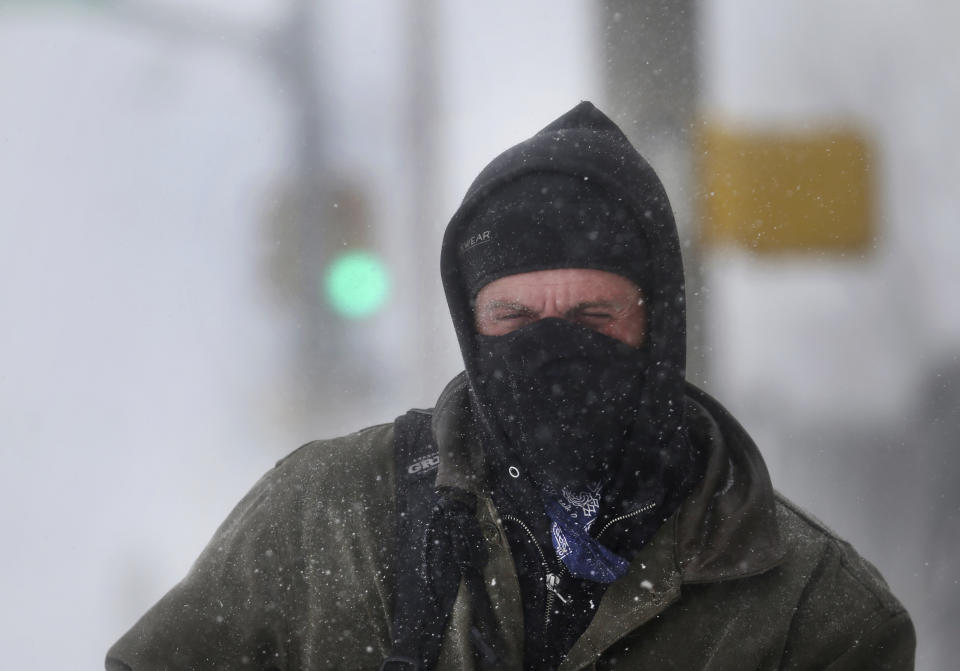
x,y
177,178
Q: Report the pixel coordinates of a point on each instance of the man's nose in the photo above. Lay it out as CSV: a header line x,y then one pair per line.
x,y
551,311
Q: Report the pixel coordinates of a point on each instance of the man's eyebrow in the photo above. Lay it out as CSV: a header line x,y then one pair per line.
x,y
508,305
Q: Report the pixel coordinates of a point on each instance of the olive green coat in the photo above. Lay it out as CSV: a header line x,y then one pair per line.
x,y
300,575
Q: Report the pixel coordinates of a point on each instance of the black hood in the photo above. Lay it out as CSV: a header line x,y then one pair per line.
x,y
586,145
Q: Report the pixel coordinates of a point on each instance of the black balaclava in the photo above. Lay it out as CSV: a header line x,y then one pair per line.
x,y
564,408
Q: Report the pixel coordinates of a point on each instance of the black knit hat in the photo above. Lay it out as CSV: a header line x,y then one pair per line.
x,y
546,220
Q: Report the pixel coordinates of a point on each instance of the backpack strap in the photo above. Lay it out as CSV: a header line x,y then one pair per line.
x,y
420,610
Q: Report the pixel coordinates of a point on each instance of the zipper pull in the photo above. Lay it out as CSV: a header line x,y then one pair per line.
x,y
553,581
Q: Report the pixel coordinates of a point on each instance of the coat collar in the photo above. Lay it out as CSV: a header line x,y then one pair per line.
x,y
457,436
725,529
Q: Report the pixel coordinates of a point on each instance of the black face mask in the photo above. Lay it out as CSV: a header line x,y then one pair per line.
x,y
567,399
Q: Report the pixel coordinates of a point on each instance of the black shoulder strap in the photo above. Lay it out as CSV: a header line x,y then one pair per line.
x,y
419,616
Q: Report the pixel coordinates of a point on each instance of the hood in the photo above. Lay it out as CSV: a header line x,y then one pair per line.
x,y
585,145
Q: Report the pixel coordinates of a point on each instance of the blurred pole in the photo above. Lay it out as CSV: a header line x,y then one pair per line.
x,y
651,87
424,188
296,61
304,229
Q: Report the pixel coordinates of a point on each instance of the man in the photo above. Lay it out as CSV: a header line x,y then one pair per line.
x,y
569,503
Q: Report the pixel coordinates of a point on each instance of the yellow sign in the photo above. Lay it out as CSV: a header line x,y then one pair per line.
x,y
786,193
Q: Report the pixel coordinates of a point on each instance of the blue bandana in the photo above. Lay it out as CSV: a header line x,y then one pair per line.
x,y
572,515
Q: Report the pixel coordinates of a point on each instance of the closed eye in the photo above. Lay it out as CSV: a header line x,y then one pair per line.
x,y
504,317
591,313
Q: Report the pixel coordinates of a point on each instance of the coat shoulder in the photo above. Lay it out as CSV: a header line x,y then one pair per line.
x,y
317,481
812,541
344,462
845,605
307,550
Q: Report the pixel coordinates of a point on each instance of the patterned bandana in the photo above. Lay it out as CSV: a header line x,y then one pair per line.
x,y
572,514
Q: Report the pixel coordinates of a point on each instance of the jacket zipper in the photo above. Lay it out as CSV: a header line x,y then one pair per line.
x,y
642,509
551,580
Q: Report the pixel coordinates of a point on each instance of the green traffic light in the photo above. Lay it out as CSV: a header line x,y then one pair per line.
x,y
356,284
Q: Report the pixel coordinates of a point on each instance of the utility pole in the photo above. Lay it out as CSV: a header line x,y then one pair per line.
x,y
424,188
651,87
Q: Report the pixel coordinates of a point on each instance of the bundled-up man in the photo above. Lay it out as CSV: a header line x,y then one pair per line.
x,y
571,502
